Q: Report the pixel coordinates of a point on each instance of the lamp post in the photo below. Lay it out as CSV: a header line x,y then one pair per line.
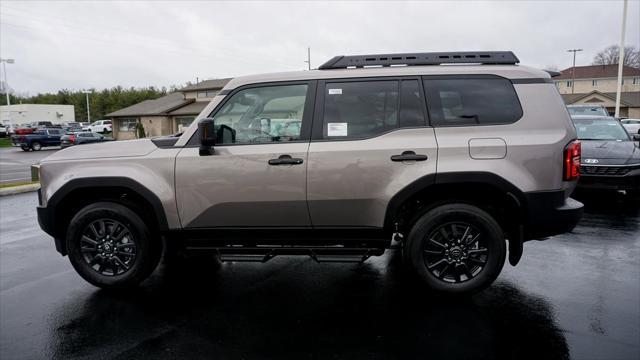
x,y
621,59
6,86
87,92
573,69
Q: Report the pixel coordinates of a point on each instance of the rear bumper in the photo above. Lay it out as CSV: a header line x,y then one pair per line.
x,y
550,213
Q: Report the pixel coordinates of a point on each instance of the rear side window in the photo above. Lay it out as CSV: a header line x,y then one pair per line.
x,y
464,102
369,108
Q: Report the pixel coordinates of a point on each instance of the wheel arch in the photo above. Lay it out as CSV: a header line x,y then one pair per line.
x,y
77,193
492,193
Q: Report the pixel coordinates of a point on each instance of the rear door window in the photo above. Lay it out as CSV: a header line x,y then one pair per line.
x,y
361,109
471,101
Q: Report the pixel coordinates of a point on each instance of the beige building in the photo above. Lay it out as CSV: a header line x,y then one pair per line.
x,y
597,84
166,115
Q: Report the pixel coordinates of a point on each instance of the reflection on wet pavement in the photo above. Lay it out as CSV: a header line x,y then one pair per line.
x,y
573,296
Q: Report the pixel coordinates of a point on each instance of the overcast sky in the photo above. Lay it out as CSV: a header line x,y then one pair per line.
x,y
77,45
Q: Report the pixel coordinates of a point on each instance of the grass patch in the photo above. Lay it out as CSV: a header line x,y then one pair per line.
x,y
17,183
5,142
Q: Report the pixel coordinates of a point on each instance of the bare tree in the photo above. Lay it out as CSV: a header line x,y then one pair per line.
x,y
611,56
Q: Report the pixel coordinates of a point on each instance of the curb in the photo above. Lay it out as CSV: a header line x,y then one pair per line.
x,y
19,189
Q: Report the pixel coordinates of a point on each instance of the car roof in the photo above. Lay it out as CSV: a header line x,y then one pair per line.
x,y
585,105
506,71
592,117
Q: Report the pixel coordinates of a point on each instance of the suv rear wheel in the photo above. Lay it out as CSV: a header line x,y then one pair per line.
x,y
456,248
110,246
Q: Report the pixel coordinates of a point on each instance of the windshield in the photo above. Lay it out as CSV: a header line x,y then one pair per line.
x,y
600,129
587,110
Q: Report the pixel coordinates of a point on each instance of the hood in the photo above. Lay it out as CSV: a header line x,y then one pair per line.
x,y
109,149
610,152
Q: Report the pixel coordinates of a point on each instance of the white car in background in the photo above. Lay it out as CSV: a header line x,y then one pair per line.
x,y
4,131
632,125
100,126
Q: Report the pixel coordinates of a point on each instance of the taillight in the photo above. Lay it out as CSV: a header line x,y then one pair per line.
x,y
72,138
571,169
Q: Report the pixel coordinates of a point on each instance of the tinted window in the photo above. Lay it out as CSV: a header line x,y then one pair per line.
x,y
263,114
472,101
360,109
55,132
411,108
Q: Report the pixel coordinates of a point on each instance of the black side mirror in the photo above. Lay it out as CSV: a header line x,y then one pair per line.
x,y
207,131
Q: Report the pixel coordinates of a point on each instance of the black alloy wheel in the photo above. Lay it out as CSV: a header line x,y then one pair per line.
x,y
455,252
108,247
456,248
111,246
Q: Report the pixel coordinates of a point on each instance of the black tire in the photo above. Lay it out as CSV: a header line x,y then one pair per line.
x,y
25,148
36,146
478,228
143,252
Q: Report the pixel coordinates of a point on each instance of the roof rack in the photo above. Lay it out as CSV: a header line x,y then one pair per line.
x,y
433,58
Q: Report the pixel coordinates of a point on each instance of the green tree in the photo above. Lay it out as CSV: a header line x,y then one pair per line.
x,y
101,102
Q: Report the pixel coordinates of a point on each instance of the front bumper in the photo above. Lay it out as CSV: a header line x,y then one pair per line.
x,y
613,177
550,213
47,224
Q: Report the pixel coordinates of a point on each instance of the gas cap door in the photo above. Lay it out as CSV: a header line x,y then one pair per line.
x,y
487,148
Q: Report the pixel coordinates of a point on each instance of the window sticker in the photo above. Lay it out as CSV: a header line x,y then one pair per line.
x,y
335,91
337,129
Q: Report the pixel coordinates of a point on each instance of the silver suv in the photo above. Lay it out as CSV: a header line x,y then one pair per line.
x,y
451,163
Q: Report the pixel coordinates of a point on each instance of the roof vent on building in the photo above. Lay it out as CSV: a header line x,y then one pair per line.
x,y
435,58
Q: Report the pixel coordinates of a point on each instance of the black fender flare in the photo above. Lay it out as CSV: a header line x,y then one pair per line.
x,y
50,223
461,178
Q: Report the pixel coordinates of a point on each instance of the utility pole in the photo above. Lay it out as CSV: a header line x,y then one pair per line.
x,y
6,87
308,58
621,59
197,80
87,92
573,69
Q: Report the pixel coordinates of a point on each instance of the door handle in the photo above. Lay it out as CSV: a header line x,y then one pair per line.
x,y
285,160
409,156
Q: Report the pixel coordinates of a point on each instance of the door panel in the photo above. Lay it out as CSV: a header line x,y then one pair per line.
x,y
256,176
350,183
237,187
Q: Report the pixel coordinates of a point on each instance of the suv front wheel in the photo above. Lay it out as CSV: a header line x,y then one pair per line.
x,y
456,248
110,246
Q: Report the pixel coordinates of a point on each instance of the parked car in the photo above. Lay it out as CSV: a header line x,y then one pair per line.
x,y
23,129
333,163
100,126
4,131
591,110
631,125
38,139
41,124
79,138
610,158
73,127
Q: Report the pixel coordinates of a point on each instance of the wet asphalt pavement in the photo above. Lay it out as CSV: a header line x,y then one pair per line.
x,y
574,296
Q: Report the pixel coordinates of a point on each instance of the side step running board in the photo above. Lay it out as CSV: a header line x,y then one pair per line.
x,y
264,254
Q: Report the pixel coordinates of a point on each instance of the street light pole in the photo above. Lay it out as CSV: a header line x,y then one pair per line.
x,y
621,59
573,69
87,92
308,58
6,87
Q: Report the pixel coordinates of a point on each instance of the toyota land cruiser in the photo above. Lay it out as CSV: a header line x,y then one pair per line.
x,y
454,163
